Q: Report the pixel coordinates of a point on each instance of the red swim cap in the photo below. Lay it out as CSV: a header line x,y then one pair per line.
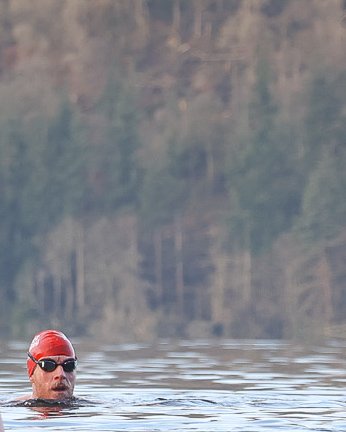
x,y
48,343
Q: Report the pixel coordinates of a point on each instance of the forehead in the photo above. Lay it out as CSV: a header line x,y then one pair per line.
x,y
58,359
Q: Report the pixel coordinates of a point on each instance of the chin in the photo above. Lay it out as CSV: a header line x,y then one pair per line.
x,y
60,395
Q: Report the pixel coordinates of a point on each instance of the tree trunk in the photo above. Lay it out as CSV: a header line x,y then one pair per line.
x,y
219,5
179,265
40,293
158,264
210,164
69,301
58,295
176,18
141,19
220,262
80,269
247,277
7,50
197,22
325,278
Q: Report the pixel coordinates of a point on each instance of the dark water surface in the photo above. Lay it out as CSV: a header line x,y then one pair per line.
x,y
218,385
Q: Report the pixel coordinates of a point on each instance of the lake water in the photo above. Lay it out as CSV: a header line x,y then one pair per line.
x,y
203,385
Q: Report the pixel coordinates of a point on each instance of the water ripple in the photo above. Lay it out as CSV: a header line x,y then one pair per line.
x,y
218,385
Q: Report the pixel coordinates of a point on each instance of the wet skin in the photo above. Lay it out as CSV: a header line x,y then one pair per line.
x,y
56,385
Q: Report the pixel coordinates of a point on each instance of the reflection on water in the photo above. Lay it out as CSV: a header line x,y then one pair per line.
x,y
188,386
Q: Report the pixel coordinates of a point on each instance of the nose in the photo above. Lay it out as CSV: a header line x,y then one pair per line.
x,y
59,372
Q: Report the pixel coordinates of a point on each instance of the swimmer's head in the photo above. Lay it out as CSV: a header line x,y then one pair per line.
x,y
48,343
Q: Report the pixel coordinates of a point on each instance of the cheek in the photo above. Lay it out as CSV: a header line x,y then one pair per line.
x,y
72,379
39,379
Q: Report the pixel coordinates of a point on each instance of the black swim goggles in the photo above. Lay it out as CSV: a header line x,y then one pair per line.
x,y
49,365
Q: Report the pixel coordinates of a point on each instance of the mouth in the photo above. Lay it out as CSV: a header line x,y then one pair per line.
x,y
60,387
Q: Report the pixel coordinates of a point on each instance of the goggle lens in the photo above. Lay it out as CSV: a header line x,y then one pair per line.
x,y
51,365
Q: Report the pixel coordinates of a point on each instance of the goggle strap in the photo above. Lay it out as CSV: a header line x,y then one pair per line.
x,y
54,364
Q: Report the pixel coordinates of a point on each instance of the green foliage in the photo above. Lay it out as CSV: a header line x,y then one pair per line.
x,y
18,207
273,8
85,159
161,10
188,159
112,158
163,195
323,211
263,177
198,142
325,116
63,158
41,181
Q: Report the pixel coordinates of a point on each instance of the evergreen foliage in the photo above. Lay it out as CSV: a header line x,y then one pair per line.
x,y
162,197
323,212
264,175
64,162
113,157
136,129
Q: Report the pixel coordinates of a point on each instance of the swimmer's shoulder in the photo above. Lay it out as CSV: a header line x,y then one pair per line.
x,y
23,397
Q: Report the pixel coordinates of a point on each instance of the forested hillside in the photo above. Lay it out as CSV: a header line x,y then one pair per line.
x,y
173,167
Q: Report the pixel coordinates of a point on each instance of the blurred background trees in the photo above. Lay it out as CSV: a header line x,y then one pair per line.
x,y
173,168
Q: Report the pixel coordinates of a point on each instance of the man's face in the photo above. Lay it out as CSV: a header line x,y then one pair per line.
x,y
57,384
